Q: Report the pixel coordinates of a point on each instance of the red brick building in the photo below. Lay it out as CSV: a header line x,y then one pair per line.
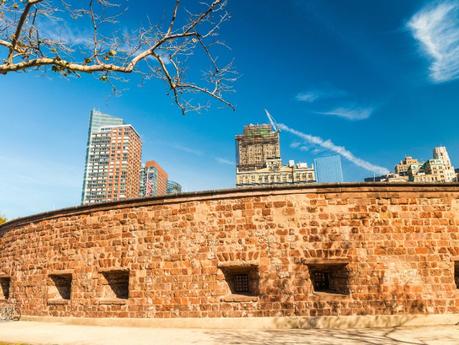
x,y
113,165
153,180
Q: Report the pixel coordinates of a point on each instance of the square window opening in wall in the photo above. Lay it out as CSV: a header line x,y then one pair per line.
x,y
242,280
456,273
115,284
5,283
59,287
330,278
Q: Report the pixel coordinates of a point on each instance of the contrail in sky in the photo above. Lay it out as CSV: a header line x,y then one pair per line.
x,y
271,120
329,145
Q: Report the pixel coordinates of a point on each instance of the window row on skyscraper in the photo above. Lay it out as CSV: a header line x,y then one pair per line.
x,y
113,169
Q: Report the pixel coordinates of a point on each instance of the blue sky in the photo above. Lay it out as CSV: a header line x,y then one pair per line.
x,y
378,78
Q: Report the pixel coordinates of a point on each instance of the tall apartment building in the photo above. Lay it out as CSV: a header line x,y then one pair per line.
x,y
96,121
259,162
153,180
113,160
329,169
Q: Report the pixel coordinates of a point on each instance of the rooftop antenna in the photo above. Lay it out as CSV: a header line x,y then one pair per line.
x,y
271,121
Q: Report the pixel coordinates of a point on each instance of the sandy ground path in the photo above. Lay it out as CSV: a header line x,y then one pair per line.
x,y
63,334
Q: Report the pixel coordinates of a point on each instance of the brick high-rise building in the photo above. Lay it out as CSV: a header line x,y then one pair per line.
x,y
259,162
153,180
113,160
255,146
96,121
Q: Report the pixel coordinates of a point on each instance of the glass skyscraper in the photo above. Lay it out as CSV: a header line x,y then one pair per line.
x,y
173,187
97,120
328,169
113,160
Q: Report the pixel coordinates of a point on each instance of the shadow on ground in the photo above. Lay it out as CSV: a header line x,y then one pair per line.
x,y
393,336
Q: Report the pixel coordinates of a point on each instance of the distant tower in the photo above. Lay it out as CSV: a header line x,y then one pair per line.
x,y
329,169
153,180
441,154
255,146
113,160
173,187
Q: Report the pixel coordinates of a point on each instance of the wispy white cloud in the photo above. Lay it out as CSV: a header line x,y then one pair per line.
x,y
329,145
61,32
317,150
187,149
353,113
78,36
224,161
300,146
307,97
311,96
197,152
436,27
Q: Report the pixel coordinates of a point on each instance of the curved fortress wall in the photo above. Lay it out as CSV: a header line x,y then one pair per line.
x,y
352,249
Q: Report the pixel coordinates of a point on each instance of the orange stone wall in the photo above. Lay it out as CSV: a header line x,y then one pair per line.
x,y
400,243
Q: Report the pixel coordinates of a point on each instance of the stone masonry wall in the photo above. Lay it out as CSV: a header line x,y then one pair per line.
x,y
398,244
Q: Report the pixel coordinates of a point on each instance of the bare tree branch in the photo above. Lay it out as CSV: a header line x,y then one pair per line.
x,y
174,16
17,34
29,36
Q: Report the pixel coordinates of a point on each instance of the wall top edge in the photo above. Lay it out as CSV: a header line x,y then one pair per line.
x,y
318,188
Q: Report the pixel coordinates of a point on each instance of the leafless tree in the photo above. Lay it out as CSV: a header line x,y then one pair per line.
x,y
37,34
